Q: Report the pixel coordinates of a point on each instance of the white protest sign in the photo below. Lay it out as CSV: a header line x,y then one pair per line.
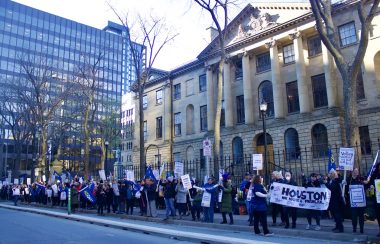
x,y
220,196
55,188
186,181
102,174
357,196
63,177
26,191
300,197
346,158
156,174
44,178
130,175
257,161
206,199
5,183
207,148
16,181
28,181
178,168
163,171
81,180
1,185
8,180
377,188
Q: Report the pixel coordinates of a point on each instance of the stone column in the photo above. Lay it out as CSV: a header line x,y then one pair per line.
x,y
167,116
248,92
210,99
278,86
229,110
302,82
330,77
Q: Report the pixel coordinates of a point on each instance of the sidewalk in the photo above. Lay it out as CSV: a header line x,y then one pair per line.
x,y
240,224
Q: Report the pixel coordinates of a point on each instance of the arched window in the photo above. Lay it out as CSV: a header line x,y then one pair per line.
x,y
319,140
266,95
190,119
237,150
292,146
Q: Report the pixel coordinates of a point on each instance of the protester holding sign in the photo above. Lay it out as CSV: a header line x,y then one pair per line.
x,y
290,210
226,206
277,208
259,205
356,211
181,198
169,194
311,213
209,200
375,175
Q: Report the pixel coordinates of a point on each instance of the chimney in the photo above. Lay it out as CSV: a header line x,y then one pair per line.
x,y
213,33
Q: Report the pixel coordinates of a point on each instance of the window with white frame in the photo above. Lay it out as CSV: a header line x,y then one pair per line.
x,y
145,101
159,96
288,52
177,124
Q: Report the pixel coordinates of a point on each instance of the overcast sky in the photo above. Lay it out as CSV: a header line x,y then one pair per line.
x,y
188,20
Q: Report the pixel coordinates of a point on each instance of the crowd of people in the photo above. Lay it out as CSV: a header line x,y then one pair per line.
x,y
149,194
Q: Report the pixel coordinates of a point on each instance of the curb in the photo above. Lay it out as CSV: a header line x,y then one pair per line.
x,y
323,235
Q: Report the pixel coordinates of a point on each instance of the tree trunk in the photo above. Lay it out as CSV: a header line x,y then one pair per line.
x,y
217,119
44,162
141,132
87,139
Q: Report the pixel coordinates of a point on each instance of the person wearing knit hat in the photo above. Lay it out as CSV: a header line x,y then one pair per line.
x,y
226,206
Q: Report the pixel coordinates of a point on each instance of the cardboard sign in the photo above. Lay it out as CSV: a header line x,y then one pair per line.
x,y
257,161
28,181
44,178
346,158
357,196
16,181
130,175
81,180
206,199
102,174
220,196
55,188
26,191
186,182
178,168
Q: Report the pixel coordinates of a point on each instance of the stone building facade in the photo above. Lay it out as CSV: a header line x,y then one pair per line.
x,y
274,55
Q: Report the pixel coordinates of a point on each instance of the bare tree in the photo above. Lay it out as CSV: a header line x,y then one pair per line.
x,y
15,116
146,37
323,11
87,82
218,10
43,92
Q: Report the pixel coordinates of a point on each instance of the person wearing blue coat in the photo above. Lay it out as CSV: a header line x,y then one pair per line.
x,y
211,188
259,206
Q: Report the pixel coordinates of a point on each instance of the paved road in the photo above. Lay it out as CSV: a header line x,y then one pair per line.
x,y
19,227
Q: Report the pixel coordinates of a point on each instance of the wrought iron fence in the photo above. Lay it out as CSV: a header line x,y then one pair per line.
x,y
298,160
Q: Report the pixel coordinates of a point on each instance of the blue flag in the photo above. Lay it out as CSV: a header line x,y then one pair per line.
x,y
40,188
149,173
57,176
87,193
331,164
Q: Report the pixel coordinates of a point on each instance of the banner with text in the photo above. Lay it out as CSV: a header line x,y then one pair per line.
x,y
300,197
357,196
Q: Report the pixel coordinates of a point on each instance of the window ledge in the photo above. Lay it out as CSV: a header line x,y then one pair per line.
x,y
202,91
314,56
157,104
287,64
262,72
349,45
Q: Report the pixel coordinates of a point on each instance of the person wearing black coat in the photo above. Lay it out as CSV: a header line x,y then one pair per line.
x,y
169,195
336,201
310,213
357,212
290,211
375,175
100,197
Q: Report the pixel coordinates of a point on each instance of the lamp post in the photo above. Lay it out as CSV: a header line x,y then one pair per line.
x,y
263,110
105,159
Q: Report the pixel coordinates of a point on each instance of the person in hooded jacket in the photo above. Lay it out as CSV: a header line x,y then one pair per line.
x,y
226,206
212,189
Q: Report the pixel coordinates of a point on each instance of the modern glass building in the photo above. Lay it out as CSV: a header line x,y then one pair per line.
x,y
65,45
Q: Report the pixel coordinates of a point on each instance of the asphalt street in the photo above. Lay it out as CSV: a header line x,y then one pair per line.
x,y
21,227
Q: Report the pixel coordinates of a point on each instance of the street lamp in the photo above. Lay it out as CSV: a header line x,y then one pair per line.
x,y
263,110
105,159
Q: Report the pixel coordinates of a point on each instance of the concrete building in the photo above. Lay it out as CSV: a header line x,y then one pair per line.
x,y
274,55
